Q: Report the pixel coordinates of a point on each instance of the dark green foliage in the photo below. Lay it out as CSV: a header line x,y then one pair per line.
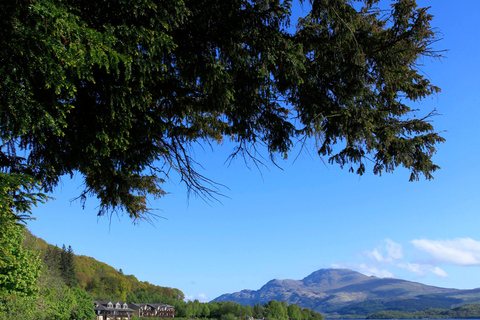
x,y
52,258
227,310
404,305
60,263
120,90
363,308
144,296
258,311
471,311
67,267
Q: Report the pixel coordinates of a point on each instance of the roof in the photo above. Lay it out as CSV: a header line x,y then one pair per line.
x,y
103,305
153,305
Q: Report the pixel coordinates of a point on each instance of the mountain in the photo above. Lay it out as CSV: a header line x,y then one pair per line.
x,y
343,292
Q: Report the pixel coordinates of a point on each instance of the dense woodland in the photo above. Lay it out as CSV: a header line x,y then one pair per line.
x,y
471,311
100,280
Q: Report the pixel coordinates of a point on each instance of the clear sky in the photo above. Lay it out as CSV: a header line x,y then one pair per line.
x,y
287,223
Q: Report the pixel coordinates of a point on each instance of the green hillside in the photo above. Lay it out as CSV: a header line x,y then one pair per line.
x,y
101,281
403,305
471,311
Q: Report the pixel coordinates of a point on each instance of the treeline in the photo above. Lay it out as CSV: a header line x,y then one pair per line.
x,y
231,310
403,305
228,310
463,312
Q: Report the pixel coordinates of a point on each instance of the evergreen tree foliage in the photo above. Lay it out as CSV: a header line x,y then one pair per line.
x,y
52,258
67,267
120,90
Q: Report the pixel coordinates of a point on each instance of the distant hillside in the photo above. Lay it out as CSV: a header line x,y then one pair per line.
x,y
102,281
343,292
471,311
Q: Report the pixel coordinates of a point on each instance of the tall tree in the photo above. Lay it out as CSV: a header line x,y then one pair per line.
x,y
52,260
67,267
120,90
277,310
294,312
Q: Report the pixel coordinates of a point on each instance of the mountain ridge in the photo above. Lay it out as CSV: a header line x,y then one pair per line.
x,y
344,292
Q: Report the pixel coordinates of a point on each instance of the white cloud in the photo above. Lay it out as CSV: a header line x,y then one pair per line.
x,y
439,272
374,271
413,267
390,255
202,297
393,252
394,249
366,269
422,270
376,255
462,251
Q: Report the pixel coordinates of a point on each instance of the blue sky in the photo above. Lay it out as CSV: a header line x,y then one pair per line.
x,y
288,223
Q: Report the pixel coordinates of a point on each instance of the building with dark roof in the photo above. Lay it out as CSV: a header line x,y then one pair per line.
x,y
147,310
112,310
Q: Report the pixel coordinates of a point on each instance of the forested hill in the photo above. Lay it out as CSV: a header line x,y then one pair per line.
x,y
100,280
471,311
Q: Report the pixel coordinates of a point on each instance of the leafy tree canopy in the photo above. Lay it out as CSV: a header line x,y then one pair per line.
x,y
19,267
120,90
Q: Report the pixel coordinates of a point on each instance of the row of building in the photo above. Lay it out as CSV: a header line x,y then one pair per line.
x,y
116,310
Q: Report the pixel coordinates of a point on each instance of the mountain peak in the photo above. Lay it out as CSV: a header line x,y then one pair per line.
x,y
339,292
328,279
